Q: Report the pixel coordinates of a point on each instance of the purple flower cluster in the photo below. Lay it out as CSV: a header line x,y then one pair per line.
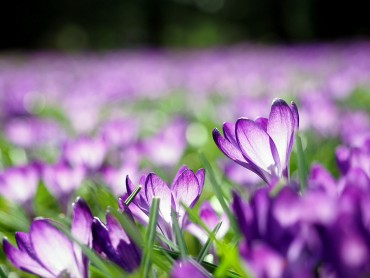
x,y
84,123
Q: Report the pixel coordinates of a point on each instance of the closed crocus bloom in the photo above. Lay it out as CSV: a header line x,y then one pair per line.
x,y
186,188
188,268
264,145
19,184
47,252
112,241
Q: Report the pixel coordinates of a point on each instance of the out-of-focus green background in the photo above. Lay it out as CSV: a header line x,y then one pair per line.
x,y
110,24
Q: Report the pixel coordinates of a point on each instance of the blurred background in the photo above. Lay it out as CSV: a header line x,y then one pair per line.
x,y
98,25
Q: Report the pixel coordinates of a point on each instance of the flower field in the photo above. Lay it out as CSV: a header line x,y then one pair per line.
x,y
246,161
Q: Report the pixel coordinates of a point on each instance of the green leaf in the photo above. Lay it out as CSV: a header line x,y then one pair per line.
x,y
218,191
2,273
179,236
204,251
302,165
133,195
150,236
209,266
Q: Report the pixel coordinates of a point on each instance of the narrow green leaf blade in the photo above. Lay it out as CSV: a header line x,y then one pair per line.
x,y
302,165
204,251
179,236
150,236
218,191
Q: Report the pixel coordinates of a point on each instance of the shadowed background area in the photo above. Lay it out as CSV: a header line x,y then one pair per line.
x,y
97,24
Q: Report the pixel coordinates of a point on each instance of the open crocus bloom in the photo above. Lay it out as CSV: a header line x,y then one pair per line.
x,y
264,145
186,188
47,252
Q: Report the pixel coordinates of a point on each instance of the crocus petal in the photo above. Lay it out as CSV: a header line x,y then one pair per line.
x,y
53,248
156,187
140,213
25,244
286,208
81,230
186,189
82,221
343,155
294,109
262,122
178,174
115,231
130,187
189,268
321,179
129,255
229,149
257,146
281,129
23,261
229,132
200,174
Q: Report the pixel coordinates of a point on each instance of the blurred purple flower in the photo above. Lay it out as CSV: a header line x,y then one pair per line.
x,y
264,145
115,177
19,184
210,218
33,132
167,147
62,180
355,157
186,188
86,152
45,251
112,241
120,133
237,174
188,268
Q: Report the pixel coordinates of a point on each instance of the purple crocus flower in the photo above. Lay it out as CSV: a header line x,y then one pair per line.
x,y
112,241
210,218
120,133
47,252
62,180
167,147
264,145
86,152
19,184
356,157
115,177
189,268
186,188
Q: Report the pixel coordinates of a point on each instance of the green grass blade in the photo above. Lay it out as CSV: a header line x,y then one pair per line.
x,y
2,273
302,165
168,242
133,195
179,236
150,237
218,191
204,251
209,266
